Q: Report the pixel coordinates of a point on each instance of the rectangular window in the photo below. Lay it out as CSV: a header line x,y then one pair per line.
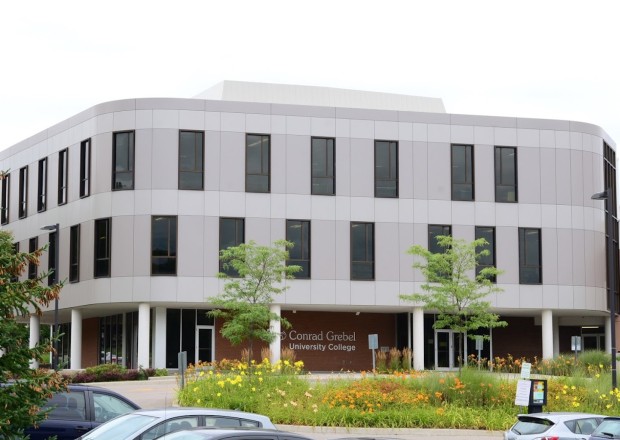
x,y
298,232
232,233
85,168
488,233
323,166
257,163
103,256
123,160
463,172
386,169
530,258
6,192
506,174
163,245
51,258
191,163
63,175
433,232
42,185
23,192
74,254
362,251
33,245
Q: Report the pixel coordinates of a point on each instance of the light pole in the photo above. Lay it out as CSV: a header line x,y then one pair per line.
x,y
611,278
56,230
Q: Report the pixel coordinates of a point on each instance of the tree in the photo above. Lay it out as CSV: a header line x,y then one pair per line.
x,y
457,297
27,388
244,305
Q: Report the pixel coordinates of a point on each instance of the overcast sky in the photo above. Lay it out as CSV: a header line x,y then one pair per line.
x,y
543,58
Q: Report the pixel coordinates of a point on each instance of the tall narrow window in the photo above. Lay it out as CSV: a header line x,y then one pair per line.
x,y
433,232
163,245
42,186
23,192
51,258
6,192
530,261
123,160
63,175
386,169
323,166
85,168
103,247
191,163
232,233
74,254
362,251
488,233
298,232
15,278
257,163
506,174
33,245
462,172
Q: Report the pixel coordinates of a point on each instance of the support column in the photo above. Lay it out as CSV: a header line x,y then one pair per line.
x,y
76,339
547,334
556,337
144,325
159,338
418,338
35,329
275,327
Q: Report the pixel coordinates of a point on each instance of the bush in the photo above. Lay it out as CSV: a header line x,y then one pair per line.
x,y
114,373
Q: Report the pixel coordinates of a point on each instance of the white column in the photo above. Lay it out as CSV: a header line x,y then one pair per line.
x,y
276,328
76,339
418,338
547,334
159,336
608,335
144,324
556,337
35,329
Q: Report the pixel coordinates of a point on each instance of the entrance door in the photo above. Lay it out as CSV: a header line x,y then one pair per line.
x,y
205,341
447,349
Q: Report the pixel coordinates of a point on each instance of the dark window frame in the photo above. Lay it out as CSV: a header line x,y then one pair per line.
x,y
131,161
6,199
500,184
326,173
63,176
74,254
105,259
434,231
525,266
392,173
23,192
33,245
239,226
305,246
172,240
199,163
264,162
469,181
369,251
42,185
85,167
490,260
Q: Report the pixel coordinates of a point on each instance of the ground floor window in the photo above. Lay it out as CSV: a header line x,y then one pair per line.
x,y
192,331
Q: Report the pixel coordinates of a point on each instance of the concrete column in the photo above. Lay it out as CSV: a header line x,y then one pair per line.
x,y
276,328
418,338
159,336
35,329
556,337
608,335
76,339
547,334
144,325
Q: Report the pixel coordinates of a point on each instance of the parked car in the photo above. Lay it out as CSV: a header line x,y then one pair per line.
x,y
232,434
565,425
147,424
609,428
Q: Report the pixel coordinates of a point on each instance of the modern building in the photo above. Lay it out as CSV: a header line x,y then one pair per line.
x,y
141,195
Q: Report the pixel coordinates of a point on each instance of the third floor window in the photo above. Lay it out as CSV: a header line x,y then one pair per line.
x,y
123,160
323,166
191,162
386,169
232,233
85,168
74,254
63,175
23,192
257,163
506,174
42,186
103,247
6,191
163,245
298,232
462,172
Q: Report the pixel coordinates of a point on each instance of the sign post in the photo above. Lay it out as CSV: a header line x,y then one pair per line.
x,y
373,344
575,344
479,345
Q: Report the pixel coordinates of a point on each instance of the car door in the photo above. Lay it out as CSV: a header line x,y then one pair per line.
x,y
66,417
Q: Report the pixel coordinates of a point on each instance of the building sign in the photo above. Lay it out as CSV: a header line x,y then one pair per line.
x,y
319,341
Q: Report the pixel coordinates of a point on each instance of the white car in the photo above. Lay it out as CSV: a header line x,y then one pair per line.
x,y
564,425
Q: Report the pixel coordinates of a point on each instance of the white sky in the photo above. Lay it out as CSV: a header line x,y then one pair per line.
x,y
543,58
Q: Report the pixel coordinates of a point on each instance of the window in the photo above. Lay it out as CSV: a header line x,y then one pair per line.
x,y
74,254
42,185
506,174
6,192
530,261
463,172
232,233
191,163
123,160
33,245
15,278
163,245
51,259
257,167
102,247
433,232
362,251
386,169
488,233
85,168
63,178
298,232
23,192
323,166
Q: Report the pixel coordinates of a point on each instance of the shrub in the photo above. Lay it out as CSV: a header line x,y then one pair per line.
x,y
395,359
381,361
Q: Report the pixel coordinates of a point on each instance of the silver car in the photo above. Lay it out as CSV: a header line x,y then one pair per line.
x,y
233,434
564,425
148,424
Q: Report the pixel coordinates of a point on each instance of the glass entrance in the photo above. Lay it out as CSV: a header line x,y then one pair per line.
x,y
205,342
447,349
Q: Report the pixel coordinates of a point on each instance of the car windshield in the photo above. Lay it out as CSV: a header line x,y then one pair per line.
x,y
531,425
608,428
123,427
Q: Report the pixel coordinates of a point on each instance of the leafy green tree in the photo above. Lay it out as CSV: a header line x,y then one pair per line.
x,y
27,388
244,305
452,292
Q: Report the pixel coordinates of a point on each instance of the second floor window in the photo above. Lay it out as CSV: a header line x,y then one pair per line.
x,y
23,192
123,160
232,233
298,232
42,186
323,166
362,251
506,174
163,245
386,169
257,163
63,175
74,254
103,247
85,168
191,162
488,233
33,245
463,172
530,256
433,232
6,192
